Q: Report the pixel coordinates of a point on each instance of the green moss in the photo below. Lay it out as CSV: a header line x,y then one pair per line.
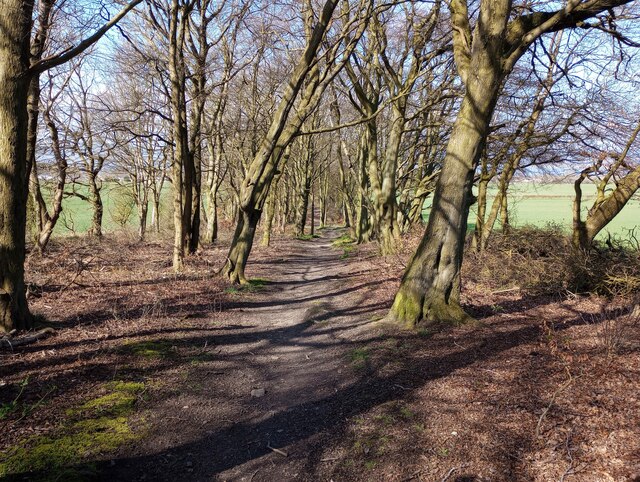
x,y
347,251
359,355
406,412
102,428
406,310
258,282
250,286
386,419
119,402
149,349
307,237
55,454
342,241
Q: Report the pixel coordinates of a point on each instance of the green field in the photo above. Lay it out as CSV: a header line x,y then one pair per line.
x,y
529,203
540,204
117,205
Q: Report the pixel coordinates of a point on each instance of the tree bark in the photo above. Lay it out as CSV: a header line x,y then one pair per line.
x,y
241,245
15,19
430,289
97,206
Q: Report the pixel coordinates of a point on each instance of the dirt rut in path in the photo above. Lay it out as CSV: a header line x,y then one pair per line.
x,y
293,338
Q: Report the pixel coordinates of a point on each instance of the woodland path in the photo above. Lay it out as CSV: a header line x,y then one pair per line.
x,y
293,339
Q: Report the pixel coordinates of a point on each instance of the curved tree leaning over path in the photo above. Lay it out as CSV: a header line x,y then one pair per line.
x,y
306,84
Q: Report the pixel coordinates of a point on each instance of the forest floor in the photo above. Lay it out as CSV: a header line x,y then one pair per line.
x,y
153,376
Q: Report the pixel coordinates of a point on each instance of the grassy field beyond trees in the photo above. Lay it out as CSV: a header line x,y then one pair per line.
x,y
532,203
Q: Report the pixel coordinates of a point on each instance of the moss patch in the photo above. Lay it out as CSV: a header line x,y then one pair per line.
x,y
346,244
359,357
101,426
307,237
118,402
250,286
148,349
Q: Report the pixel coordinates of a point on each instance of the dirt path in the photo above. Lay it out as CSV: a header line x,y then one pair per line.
x,y
545,388
292,340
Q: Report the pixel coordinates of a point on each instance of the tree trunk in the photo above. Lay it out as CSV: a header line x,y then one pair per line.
x,y
155,215
97,206
194,234
362,216
303,207
504,214
143,208
386,206
478,232
46,221
430,288
241,245
313,212
182,164
212,215
268,220
15,19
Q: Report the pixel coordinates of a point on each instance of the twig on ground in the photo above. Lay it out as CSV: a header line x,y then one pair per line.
x,y
452,470
553,399
25,340
415,475
278,451
507,290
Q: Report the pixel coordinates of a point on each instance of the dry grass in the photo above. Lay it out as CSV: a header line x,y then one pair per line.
x,y
543,262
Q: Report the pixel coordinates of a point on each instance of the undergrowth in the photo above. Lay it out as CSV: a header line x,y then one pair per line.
x,y
542,261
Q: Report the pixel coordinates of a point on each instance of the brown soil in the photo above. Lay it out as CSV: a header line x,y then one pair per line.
x,y
544,389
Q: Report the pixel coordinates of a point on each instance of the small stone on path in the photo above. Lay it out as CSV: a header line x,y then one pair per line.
x,y
258,392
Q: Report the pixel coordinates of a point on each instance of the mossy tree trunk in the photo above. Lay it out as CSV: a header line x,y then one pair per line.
x,y
430,288
429,292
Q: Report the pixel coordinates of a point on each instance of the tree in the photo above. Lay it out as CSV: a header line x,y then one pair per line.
x,y
309,79
609,202
16,72
484,56
45,217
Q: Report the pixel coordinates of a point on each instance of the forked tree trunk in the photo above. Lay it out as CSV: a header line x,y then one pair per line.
x,y
602,213
15,24
47,221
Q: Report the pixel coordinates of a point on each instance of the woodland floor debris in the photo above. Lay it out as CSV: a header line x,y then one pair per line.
x,y
538,391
